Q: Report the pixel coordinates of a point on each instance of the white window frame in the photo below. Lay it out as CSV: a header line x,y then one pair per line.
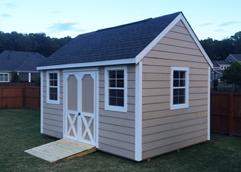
x,y
8,80
48,100
111,107
186,104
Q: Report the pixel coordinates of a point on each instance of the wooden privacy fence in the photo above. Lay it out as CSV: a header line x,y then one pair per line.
x,y
19,96
226,113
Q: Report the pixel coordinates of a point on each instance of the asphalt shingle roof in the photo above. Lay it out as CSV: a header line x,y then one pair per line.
x,y
121,42
20,61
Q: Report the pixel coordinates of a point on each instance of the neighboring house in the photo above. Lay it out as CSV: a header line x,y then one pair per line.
x,y
233,58
19,63
218,67
136,90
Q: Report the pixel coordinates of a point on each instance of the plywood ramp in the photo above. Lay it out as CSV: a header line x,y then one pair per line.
x,y
61,149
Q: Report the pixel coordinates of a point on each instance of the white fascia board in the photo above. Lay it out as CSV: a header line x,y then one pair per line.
x,y
90,64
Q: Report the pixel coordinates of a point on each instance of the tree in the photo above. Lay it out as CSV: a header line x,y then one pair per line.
x,y
219,50
35,42
233,75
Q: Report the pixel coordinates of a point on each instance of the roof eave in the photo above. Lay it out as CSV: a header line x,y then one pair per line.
x,y
89,64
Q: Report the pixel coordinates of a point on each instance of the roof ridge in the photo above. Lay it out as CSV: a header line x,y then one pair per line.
x,y
178,12
123,25
136,22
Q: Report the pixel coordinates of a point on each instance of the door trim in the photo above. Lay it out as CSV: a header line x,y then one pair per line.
x,y
66,73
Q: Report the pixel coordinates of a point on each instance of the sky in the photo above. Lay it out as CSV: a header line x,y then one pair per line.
x,y
216,19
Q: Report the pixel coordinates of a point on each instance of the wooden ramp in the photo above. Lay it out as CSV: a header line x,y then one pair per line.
x,y
61,149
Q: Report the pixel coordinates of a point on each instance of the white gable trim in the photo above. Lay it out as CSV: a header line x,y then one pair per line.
x,y
180,17
90,64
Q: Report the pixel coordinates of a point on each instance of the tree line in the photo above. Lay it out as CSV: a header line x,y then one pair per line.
x,y
34,42
219,50
45,45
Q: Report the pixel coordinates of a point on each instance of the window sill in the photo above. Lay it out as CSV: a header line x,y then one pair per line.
x,y
180,106
53,102
116,108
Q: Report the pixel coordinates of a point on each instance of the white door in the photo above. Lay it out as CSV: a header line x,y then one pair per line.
x,y
80,106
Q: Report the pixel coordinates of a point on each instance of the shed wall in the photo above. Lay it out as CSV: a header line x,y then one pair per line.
x,y
53,113
165,130
116,129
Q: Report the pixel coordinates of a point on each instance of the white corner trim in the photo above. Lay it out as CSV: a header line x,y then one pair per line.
x,y
138,112
41,102
90,64
47,87
106,82
186,104
209,101
180,17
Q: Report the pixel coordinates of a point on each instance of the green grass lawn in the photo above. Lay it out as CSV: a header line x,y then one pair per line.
x,y
19,130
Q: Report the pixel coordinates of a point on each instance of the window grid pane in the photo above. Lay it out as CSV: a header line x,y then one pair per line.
x,y
53,86
179,87
116,87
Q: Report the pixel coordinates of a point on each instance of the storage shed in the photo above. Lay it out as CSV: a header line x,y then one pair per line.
x,y
137,90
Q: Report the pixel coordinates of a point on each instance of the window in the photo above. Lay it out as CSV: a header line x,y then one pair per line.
x,y
53,87
4,77
179,88
116,89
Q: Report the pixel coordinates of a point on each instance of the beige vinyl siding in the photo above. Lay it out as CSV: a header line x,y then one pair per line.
x,y
53,113
165,130
116,129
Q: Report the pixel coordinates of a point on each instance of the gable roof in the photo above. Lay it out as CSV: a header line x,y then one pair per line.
x,y
117,45
20,61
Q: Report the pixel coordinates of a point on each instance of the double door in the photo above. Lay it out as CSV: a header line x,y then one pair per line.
x,y
80,106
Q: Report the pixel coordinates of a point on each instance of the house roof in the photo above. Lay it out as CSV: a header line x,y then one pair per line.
x,y
20,61
115,43
217,63
124,44
236,56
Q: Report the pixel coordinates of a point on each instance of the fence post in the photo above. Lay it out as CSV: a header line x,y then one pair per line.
x,y
231,113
